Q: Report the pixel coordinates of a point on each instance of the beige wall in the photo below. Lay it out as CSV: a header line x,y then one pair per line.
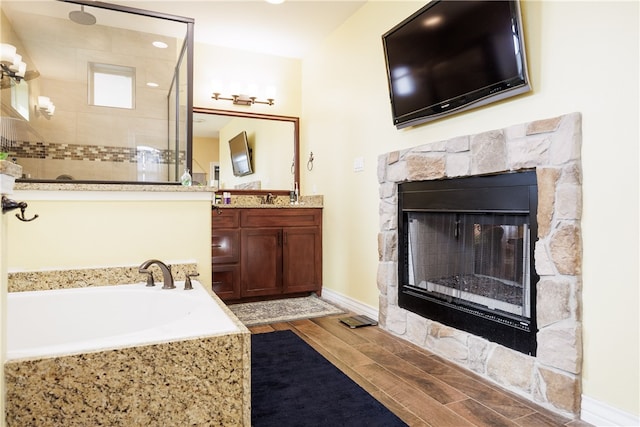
x,y
576,61
228,65
205,151
102,233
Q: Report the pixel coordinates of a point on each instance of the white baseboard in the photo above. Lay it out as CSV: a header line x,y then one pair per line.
x,y
349,303
603,415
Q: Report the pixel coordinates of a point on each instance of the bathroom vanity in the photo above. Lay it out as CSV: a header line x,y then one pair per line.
x,y
266,251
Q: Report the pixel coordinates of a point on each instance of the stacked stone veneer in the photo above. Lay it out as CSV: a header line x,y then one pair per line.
x,y
551,147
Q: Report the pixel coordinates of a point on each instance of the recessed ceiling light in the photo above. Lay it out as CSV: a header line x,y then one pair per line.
x,y
159,44
275,1
152,84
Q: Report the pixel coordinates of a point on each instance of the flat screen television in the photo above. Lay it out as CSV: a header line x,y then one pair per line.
x,y
452,56
240,154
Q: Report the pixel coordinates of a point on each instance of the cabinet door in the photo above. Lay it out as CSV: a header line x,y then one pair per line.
x,y
226,281
261,262
302,259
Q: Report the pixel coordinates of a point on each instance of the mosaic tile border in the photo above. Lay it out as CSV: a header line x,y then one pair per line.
x,y
92,153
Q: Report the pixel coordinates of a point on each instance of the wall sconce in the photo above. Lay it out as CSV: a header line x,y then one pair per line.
x,y
11,62
45,106
242,99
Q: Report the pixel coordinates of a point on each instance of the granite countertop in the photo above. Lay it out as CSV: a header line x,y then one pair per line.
x,y
280,202
10,168
71,186
237,200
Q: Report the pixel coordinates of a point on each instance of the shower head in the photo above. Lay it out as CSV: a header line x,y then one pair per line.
x,y
82,17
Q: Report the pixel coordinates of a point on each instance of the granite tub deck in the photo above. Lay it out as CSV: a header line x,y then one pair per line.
x,y
202,381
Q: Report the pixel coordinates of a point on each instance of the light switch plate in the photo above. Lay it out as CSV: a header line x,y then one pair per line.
x,y
358,164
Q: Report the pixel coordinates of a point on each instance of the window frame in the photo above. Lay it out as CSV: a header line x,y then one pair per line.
x,y
115,70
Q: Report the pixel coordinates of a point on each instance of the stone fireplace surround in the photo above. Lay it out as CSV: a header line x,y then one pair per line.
x,y
552,147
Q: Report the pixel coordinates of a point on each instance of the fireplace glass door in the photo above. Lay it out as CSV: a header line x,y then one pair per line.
x,y
476,260
466,255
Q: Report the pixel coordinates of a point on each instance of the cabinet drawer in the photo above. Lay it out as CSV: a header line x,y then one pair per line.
x,y
226,218
280,217
226,281
225,246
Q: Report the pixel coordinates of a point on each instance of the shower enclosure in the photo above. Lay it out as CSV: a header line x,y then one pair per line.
x,y
137,128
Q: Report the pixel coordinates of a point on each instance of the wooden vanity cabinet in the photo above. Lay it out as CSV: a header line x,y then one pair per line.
x,y
280,254
225,253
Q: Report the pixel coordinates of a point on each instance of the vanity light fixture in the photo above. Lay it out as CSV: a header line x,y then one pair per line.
x,y
239,90
242,99
45,106
11,62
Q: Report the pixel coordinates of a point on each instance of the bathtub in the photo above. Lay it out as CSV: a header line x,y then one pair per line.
x,y
80,320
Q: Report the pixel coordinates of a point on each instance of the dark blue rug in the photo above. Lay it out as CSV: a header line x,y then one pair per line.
x,y
294,385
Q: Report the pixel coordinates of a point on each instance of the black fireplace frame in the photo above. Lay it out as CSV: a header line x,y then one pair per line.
x,y
511,193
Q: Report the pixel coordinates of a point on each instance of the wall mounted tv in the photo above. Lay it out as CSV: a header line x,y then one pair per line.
x,y
240,154
452,56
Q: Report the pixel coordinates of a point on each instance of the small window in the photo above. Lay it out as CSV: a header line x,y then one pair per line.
x,y
111,85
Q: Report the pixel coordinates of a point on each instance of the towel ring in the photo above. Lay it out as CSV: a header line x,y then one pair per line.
x,y
310,161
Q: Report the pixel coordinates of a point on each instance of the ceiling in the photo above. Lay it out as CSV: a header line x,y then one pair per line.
x,y
289,29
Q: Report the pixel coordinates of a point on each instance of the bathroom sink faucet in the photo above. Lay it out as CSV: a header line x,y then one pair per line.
x,y
268,199
166,273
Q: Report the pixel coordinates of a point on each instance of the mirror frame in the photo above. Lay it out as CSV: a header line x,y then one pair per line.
x,y
248,115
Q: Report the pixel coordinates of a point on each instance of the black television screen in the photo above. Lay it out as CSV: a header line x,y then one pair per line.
x,y
451,56
240,154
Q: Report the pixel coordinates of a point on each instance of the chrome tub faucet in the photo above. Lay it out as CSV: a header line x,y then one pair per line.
x,y
166,273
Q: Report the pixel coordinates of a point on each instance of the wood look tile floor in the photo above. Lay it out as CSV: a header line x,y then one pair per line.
x,y
418,386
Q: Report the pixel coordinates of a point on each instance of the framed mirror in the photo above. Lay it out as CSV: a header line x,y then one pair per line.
x,y
273,150
109,92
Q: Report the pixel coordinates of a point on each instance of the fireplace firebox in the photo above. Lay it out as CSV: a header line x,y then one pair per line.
x,y
466,255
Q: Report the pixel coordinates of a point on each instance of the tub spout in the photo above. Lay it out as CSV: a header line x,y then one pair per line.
x,y
166,272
